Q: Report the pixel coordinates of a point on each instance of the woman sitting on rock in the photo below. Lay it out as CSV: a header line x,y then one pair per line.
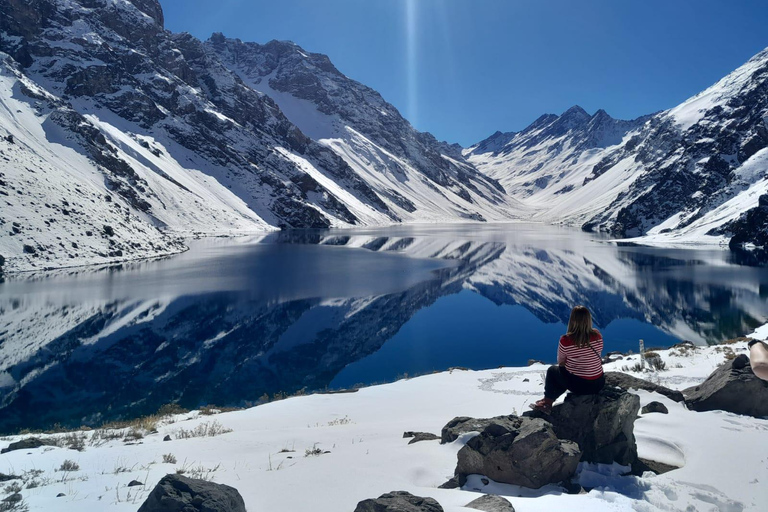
x,y
579,365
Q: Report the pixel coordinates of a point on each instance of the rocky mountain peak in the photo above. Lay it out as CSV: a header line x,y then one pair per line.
x,y
151,8
574,117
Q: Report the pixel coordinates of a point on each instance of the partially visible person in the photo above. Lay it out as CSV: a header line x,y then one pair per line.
x,y
758,358
579,366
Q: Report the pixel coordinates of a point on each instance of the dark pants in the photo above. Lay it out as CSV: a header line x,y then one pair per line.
x,y
559,380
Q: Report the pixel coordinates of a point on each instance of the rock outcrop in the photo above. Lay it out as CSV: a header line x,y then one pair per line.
x,y
732,387
535,450
519,451
399,501
601,424
625,381
176,493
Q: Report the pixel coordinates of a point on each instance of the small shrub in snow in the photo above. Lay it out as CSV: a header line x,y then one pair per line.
x,y
199,472
340,421
13,488
313,452
13,506
69,465
171,410
207,429
657,364
169,458
73,441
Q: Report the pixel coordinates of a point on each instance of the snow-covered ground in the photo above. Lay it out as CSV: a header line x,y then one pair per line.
x,y
265,456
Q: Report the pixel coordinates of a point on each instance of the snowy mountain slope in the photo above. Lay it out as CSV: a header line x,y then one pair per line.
x,y
686,174
56,208
161,123
419,177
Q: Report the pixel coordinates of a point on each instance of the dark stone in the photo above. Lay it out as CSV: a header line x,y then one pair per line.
x,y
519,451
5,478
601,424
732,387
655,407
60,495
109,231
167,438
28,249
177,493
134,483
624,381
463,424
422,436
399,501
27,444
491,503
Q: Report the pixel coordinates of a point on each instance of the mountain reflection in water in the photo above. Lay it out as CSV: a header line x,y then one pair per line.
x,y
232,320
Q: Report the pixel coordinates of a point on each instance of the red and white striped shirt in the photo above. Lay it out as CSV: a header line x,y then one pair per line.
x,y
581,361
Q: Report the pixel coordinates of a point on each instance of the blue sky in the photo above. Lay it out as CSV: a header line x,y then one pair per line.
x,y
463,69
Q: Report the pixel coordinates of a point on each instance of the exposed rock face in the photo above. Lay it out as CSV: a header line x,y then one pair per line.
x,y
732,387
601,424
628,382
358,118
655,407
491,503
176,493
751,226
520,451
399,501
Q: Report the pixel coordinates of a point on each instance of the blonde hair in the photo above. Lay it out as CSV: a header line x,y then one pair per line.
x,y
580,326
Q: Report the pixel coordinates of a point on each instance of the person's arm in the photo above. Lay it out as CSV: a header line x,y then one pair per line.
x,y
561,358
758,358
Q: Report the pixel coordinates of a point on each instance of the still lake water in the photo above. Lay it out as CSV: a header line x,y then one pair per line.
x,y
233,319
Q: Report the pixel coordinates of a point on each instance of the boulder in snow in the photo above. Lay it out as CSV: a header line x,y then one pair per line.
x,y
491,503
27,444
419,436
399,501
732,387
655,407
520,451
601,424
175,493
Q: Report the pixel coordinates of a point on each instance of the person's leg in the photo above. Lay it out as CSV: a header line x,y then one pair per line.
x,y
556,382
579,386
758,359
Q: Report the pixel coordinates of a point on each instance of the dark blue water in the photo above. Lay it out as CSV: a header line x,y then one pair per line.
x,y
232,320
